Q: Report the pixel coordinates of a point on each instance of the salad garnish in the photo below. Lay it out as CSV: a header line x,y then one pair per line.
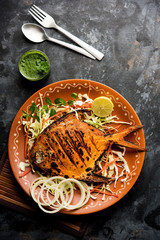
x,y
113,165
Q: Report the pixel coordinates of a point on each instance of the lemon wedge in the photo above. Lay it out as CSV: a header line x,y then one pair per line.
x,y
102,106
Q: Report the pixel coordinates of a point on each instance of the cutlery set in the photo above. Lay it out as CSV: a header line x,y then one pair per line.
x,y
37,34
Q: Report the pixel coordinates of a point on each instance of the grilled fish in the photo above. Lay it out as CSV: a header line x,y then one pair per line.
x,y
70,147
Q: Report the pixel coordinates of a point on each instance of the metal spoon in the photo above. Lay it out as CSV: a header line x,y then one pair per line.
x,y
37,34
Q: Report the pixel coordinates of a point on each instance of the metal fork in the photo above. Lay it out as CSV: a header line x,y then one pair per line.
x,y
48,22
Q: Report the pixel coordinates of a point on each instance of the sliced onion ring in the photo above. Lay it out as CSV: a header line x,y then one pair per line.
x,y
62,191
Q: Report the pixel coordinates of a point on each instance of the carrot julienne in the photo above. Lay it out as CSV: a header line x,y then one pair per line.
x,y
106,193
26,142
94,189
25,173
105,166
117,127
114,160
57,114
84,105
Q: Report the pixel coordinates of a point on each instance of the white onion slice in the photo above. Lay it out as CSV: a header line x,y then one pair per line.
x,y
57,193
83,196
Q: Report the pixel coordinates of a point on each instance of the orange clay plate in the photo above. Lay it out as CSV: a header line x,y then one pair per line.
x,y
64,89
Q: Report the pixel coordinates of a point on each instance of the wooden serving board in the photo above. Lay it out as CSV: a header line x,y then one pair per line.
x,y
13,197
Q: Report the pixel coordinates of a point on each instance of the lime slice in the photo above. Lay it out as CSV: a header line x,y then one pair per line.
x,y
102,106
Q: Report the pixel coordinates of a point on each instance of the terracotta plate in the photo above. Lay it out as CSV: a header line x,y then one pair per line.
x,y
64,89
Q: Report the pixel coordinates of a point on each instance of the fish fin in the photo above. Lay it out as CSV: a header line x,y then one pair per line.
x,y
118,138
92,177
127,144
125,132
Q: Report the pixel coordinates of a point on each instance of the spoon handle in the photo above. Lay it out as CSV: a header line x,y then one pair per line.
x,y
73,47
97,54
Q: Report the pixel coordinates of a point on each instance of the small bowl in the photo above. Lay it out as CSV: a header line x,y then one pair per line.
x,y
34,65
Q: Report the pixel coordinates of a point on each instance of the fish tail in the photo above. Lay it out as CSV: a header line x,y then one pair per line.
x,y
118,138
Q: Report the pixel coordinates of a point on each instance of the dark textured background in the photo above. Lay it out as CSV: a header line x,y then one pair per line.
x,y
128,33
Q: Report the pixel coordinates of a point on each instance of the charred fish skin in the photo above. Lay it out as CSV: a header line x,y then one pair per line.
x,y
70,147
65,152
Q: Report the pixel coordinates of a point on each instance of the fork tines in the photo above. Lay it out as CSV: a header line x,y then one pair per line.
x,y
37,13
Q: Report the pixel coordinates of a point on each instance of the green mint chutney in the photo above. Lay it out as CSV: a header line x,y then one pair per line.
x,y
34,65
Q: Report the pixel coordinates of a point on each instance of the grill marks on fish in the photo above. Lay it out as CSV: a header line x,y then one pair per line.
x,y
80,137
66,148
75,144
70,147
55,148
